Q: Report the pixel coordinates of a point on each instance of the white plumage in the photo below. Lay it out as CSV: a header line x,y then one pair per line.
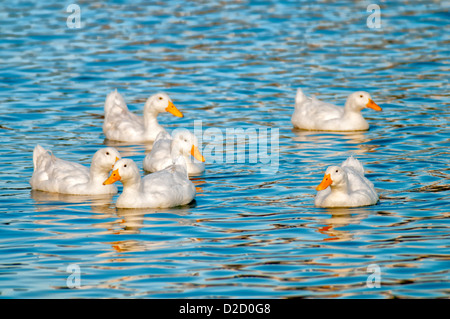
x,y
313,114
167,188
166,150
55,175
122,125
346,186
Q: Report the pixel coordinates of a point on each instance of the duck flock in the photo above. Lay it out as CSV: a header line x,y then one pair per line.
x,y
173,159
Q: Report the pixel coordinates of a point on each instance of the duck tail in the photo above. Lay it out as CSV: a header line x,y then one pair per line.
x,y
300,97
114,99
37,153
355,164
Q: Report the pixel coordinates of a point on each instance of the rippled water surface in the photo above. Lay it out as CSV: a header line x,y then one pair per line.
x,y
251,233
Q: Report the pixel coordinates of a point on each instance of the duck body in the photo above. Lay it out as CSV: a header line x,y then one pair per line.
x,y
169,187
346,186
52,174
166,150
315,115
122,125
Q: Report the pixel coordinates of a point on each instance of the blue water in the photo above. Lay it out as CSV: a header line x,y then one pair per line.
x,y
232,64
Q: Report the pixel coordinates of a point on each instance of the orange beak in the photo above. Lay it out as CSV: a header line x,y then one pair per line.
x,y
372,105
196,153
173,110
113,178
326,181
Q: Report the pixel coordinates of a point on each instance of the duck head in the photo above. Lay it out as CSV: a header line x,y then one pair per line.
x,y
334,177
125,170
105,158
185,143
160,103
360,100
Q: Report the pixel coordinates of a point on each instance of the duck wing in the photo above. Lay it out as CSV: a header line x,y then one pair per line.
x,y
119,121
359,185
169,187
312,114
53,174
160,155
321,111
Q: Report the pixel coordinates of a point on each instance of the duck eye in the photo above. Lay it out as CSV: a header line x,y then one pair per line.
x,y
125,165
360,96
160,98
337,171
107,153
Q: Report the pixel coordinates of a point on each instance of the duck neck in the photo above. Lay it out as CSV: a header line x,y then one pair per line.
x,y
131,184
349,104
150,115
350,109
97,174
176,151
353,115
340,188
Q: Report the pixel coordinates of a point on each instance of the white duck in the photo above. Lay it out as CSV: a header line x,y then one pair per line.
x,y
315,115
167,188
345,186
166,150
122,125
55,175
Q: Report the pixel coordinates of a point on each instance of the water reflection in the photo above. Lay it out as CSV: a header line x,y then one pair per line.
x,y
129,149
356,140
132,221
341,217
45,201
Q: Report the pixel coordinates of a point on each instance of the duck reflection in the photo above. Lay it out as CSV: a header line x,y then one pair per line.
x,y
45,201
131,221
198,187
117,221
341,217
358,139
128,149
